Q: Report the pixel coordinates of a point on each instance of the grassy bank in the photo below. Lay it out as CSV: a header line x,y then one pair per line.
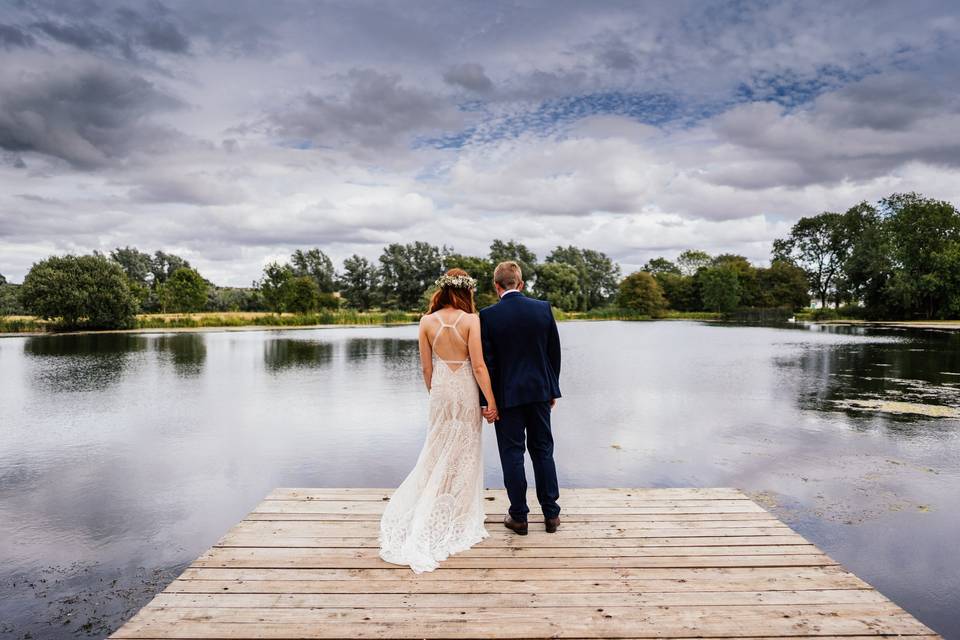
x,y
345,317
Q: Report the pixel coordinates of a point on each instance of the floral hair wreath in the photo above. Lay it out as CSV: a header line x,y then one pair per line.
x,y
457,282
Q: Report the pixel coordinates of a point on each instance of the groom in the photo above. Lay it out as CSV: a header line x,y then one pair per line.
x,y
521,347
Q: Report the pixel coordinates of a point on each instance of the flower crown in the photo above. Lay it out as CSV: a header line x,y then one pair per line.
x,y
457,282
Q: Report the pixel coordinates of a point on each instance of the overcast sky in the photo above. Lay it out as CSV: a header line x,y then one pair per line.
x,y
233,132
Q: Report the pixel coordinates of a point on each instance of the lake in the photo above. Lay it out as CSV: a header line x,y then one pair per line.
x,y
125,456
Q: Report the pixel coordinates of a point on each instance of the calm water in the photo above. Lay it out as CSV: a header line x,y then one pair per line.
x,y
123,457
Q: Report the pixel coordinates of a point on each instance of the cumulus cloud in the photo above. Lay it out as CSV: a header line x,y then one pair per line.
x,y
87,117
468,75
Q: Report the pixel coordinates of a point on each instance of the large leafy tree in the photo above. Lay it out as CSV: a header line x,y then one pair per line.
x,y
272,285
407,270
317,265
135,263
719,288
359,283
185,290
89,291
692,260
657,266
924,237
163,266
559,284
783,284
518,252
820,246
597,274
301,294
640,292
680,291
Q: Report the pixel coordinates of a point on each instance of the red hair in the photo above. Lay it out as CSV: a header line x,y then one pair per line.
x,y
456,297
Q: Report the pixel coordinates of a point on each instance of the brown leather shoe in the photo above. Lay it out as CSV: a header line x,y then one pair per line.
x,y
519,528
552,524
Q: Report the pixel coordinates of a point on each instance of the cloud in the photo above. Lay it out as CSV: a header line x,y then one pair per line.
x,y
470,76
375,110
12,36
87,117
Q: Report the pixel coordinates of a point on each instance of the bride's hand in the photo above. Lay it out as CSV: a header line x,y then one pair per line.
x,y
491,413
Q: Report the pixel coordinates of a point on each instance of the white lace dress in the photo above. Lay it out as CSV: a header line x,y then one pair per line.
x,y
438,509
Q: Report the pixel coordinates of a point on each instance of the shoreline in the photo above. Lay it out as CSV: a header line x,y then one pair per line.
x,y
929,325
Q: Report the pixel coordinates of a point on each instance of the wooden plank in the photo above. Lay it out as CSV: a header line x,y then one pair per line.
x,y
520,550
366,507
570,622
711,575
535,584
497,518
674,493
367,528
325,558
507,539
507,601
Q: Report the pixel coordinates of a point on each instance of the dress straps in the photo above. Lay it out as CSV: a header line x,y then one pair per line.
x,y
445,325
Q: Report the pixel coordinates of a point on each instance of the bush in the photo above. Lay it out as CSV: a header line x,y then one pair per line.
x,y
301,294
88,291
641,293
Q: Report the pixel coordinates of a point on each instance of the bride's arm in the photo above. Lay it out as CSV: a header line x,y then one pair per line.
x,y
480,372
426,354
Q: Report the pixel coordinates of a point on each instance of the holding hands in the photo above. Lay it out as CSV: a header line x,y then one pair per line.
x,y
490,413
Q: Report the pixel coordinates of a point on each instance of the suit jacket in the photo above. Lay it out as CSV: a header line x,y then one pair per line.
x,y
521,347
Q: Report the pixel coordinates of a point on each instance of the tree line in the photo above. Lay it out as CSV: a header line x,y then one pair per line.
x,y
899,258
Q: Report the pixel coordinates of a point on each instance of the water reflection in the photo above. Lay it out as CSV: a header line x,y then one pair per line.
x,y
902,374
284,353
82,362
187,351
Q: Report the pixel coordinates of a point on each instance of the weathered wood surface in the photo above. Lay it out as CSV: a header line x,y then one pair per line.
x,y
626,563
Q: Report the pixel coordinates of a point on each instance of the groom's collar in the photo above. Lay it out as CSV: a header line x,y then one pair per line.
x,y
508,292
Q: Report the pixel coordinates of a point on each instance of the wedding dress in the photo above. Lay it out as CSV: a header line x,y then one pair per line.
x,y
438,509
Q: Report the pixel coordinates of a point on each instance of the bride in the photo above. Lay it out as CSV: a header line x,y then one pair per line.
x,y
438,509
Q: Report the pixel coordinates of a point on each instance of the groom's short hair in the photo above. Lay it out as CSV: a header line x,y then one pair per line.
x,y
508,275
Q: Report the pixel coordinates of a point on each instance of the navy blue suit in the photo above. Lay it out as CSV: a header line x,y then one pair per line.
x,y
521,347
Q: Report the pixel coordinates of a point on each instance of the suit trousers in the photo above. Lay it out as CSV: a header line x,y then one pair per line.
x,y
528,425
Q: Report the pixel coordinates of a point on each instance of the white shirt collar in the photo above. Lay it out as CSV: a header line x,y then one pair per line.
x,y
507,292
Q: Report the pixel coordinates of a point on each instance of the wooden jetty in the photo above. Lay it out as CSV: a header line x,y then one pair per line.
x,y
626,563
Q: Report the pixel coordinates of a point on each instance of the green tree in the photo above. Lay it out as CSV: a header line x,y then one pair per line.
x,y
783,284
719,288
271,285
559,284
315,264
406,271
640,292
135,263
820,246
501,251
598,275
86,291
924,239
301,294
692,260
657,266
163,265
680,291
359,283
184,291
750,293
